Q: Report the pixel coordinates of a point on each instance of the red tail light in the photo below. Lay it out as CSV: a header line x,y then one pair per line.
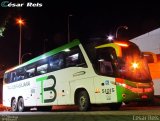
x,y
121,44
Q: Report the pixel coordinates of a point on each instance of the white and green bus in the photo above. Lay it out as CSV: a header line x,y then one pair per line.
x,y
74,74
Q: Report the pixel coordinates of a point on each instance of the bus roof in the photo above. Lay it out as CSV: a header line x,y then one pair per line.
x,y
47,54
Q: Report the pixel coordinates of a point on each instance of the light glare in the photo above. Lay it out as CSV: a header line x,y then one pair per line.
x,y
110,37
20,21
135,65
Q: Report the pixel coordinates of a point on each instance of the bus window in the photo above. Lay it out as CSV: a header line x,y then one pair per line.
x,y
20,74
72,60
30,71
42,66
56,62
5,78
42,69
13,76
106,59
75,58
132,65
106,68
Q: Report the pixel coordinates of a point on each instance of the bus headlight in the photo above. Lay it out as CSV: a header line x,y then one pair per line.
x,y
135,65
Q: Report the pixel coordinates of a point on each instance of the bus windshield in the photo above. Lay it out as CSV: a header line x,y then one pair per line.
x,y
131,65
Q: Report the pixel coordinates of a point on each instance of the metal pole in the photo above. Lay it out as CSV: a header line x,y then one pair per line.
x,y
125,27
20,44
117,31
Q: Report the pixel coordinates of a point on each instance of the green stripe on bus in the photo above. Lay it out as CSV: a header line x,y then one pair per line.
x,y
41,79
115,46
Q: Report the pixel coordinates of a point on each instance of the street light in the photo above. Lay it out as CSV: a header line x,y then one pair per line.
x,y
24,55
20,22
125,27
110,37
69,27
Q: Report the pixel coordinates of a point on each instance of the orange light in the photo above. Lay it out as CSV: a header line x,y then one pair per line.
x,y
135,65
121,44
97,90
20,21
119,80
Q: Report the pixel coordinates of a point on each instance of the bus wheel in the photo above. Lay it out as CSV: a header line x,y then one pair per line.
x,y
83,101
14,105
21,105
115,106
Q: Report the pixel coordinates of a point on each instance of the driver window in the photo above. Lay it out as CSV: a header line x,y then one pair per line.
x,y
106,58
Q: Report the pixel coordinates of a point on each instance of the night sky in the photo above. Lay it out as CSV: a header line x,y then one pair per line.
x,y
46,26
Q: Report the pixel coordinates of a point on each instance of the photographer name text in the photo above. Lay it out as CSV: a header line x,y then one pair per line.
x,y
6,4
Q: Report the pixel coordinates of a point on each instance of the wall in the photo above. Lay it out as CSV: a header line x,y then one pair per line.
x,y
149,41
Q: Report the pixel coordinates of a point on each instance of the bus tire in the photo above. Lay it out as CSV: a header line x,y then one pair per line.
x,y
115,106
83,101
21,105
14,105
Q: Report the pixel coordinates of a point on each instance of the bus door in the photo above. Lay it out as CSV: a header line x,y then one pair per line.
x,y
105,90
106,69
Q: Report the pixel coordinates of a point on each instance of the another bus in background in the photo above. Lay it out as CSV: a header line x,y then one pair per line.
x,y
154,67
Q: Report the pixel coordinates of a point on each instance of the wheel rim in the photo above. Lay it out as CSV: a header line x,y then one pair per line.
x,y
14,106
83,102
20,105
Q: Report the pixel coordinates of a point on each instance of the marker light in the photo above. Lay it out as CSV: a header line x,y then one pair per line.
x,y
66,50
121,44
97,90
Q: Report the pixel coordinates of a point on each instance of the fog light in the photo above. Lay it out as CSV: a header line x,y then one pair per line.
x,y
124,95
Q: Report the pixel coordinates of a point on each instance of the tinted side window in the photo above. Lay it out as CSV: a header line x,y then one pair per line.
x,y
56,62
106,61
42,66
30,71
13,76
7,77
20,74
74,57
